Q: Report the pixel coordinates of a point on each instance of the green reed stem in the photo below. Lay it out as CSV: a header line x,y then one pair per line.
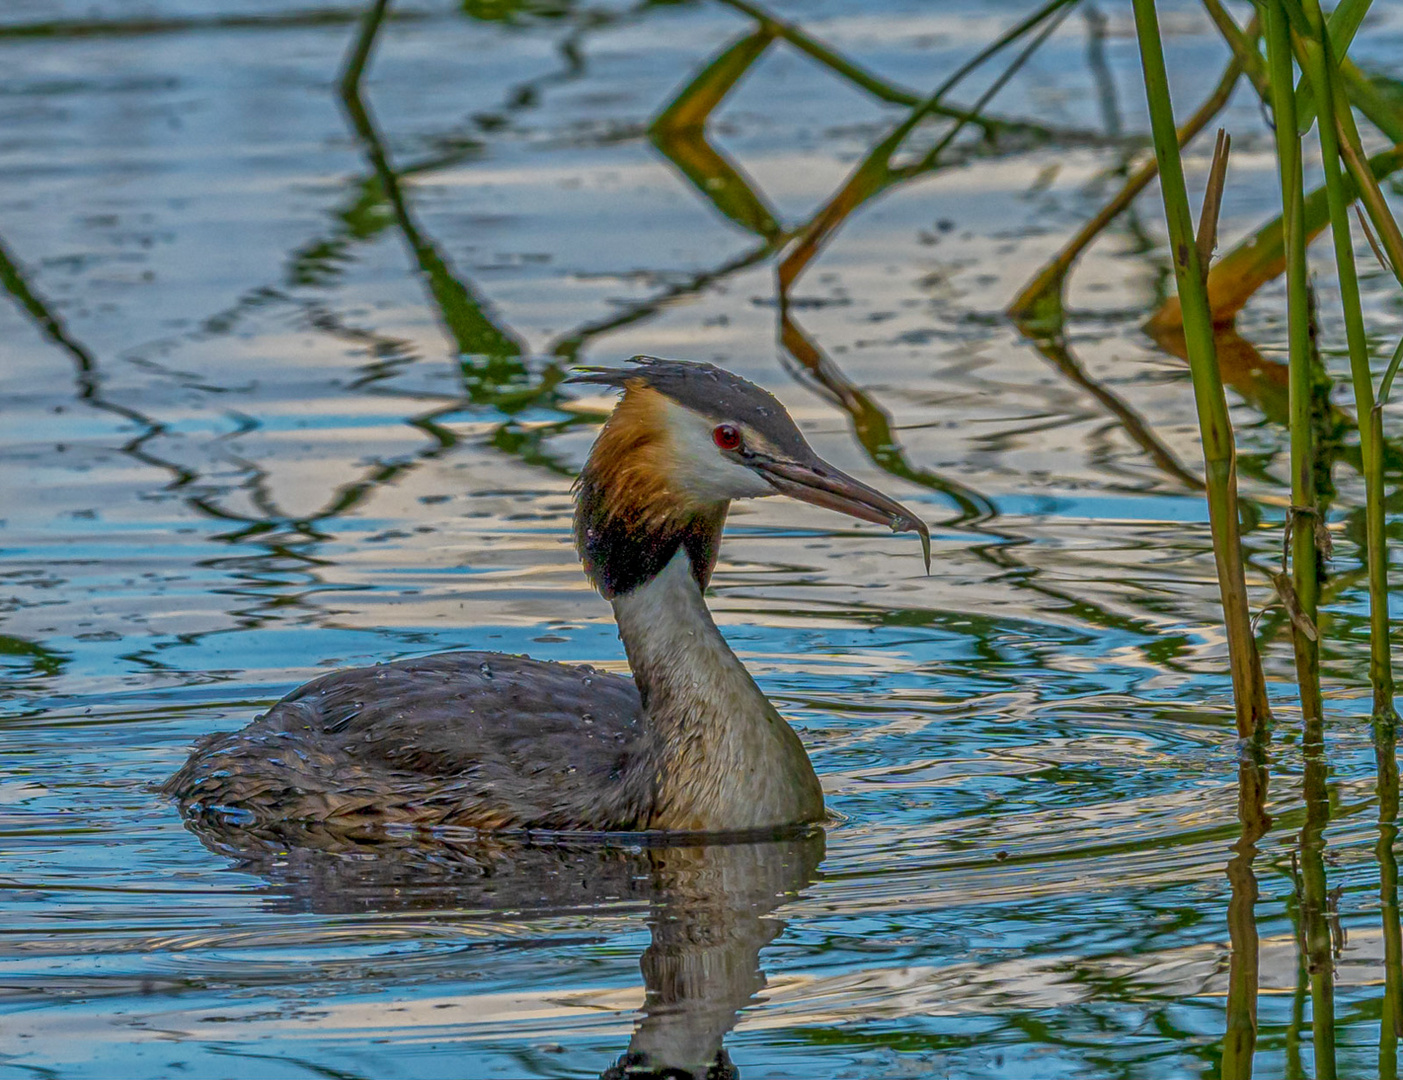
x,y
1306,38
1260,257
1358,87
1344,23
1365,96
1323,73
1386,383
1219,451
1304,514
1302,521
1243,47
1375,205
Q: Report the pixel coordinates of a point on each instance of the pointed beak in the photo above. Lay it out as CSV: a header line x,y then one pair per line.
x,y
819,483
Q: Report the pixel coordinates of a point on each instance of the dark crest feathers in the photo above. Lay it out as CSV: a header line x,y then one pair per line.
x,y
709,391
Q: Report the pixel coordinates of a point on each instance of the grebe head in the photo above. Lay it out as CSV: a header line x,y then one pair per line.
x,y
685,439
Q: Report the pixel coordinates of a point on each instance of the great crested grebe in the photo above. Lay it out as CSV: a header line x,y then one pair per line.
x,y
499,742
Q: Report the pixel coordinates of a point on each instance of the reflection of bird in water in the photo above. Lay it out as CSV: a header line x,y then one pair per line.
x,y
710,916
711,908
505,742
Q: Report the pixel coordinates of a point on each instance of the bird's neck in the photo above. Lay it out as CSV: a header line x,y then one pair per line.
x,y
725,759
630,519
722,758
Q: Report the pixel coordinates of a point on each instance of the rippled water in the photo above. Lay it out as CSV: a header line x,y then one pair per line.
x,y
252,430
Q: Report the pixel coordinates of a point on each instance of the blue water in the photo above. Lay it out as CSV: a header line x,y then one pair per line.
x,y
251,432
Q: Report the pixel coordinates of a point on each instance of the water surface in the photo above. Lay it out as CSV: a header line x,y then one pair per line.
x,y
281,392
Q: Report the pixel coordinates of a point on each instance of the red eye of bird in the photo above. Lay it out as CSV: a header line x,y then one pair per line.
x,y
727,436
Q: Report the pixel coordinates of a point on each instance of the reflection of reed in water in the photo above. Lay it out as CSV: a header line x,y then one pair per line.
x,y
1391,1013
1319,933
490,354
1240,1038
711,909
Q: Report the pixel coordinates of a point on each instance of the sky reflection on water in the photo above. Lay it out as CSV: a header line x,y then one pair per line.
x,y
281,390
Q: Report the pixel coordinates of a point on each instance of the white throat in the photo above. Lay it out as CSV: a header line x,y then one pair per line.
x,y
727,759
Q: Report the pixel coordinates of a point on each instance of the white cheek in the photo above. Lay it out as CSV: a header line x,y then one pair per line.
x,y
701,469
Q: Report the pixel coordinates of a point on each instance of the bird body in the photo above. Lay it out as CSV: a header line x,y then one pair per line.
x,y
496,742
474,739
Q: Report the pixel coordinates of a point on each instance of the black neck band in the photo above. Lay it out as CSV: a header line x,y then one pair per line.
x,y
622,551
